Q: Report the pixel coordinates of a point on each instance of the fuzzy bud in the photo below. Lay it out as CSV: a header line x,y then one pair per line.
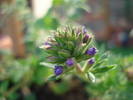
x,y
47,45
91,51
91,61
58,70
69,62
86,38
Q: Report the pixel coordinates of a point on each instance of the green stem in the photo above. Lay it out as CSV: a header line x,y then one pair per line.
x,y
86,67
78,67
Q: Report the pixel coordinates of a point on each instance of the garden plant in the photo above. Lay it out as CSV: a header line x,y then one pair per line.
x,y
72,50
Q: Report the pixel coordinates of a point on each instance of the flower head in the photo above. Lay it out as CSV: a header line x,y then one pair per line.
x,y
58,70
91,51
91,61
70,62
86,37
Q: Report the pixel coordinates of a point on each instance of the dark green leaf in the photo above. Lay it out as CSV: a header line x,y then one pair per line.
x,y
52,78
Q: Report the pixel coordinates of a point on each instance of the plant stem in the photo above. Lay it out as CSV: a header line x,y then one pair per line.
x,y
78,67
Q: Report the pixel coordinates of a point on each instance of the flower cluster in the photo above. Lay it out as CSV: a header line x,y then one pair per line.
x,y
68,47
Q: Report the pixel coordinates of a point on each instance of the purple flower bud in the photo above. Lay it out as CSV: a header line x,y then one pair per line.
x,y
86,37
91,61
47,45
84,30
91,51
69,62
58,70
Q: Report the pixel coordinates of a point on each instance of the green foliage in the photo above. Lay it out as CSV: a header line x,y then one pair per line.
x,y
47,22
15,74
41,73
66,46
115,85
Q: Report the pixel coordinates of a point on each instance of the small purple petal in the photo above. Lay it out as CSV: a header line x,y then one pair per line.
x,y
91,51
58,70
47,45
91,61
69,62
86,37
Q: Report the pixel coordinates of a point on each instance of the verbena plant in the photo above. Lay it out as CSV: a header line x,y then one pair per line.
x,y
71,49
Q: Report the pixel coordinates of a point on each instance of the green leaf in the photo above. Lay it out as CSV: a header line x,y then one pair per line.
x,y
98,64
52,59
103,69
70,45
91,77
52,78
47,64
100,59
51,51
64,53
105,55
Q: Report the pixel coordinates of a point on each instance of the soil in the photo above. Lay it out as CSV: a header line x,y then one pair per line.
x,y
77,92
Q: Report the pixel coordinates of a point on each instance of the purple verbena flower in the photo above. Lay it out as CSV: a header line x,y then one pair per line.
x,y
86,37
84,30
91,61
91,51
58,70
70,62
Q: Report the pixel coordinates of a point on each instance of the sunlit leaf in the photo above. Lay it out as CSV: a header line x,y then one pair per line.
x,y
91,77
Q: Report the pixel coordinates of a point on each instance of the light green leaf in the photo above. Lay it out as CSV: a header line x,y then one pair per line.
x,y
47,64
91,77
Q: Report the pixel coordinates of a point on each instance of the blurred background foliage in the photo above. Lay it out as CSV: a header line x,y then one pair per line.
x,y
22,77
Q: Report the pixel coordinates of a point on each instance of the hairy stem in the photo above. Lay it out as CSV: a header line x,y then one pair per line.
x,y
78,67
